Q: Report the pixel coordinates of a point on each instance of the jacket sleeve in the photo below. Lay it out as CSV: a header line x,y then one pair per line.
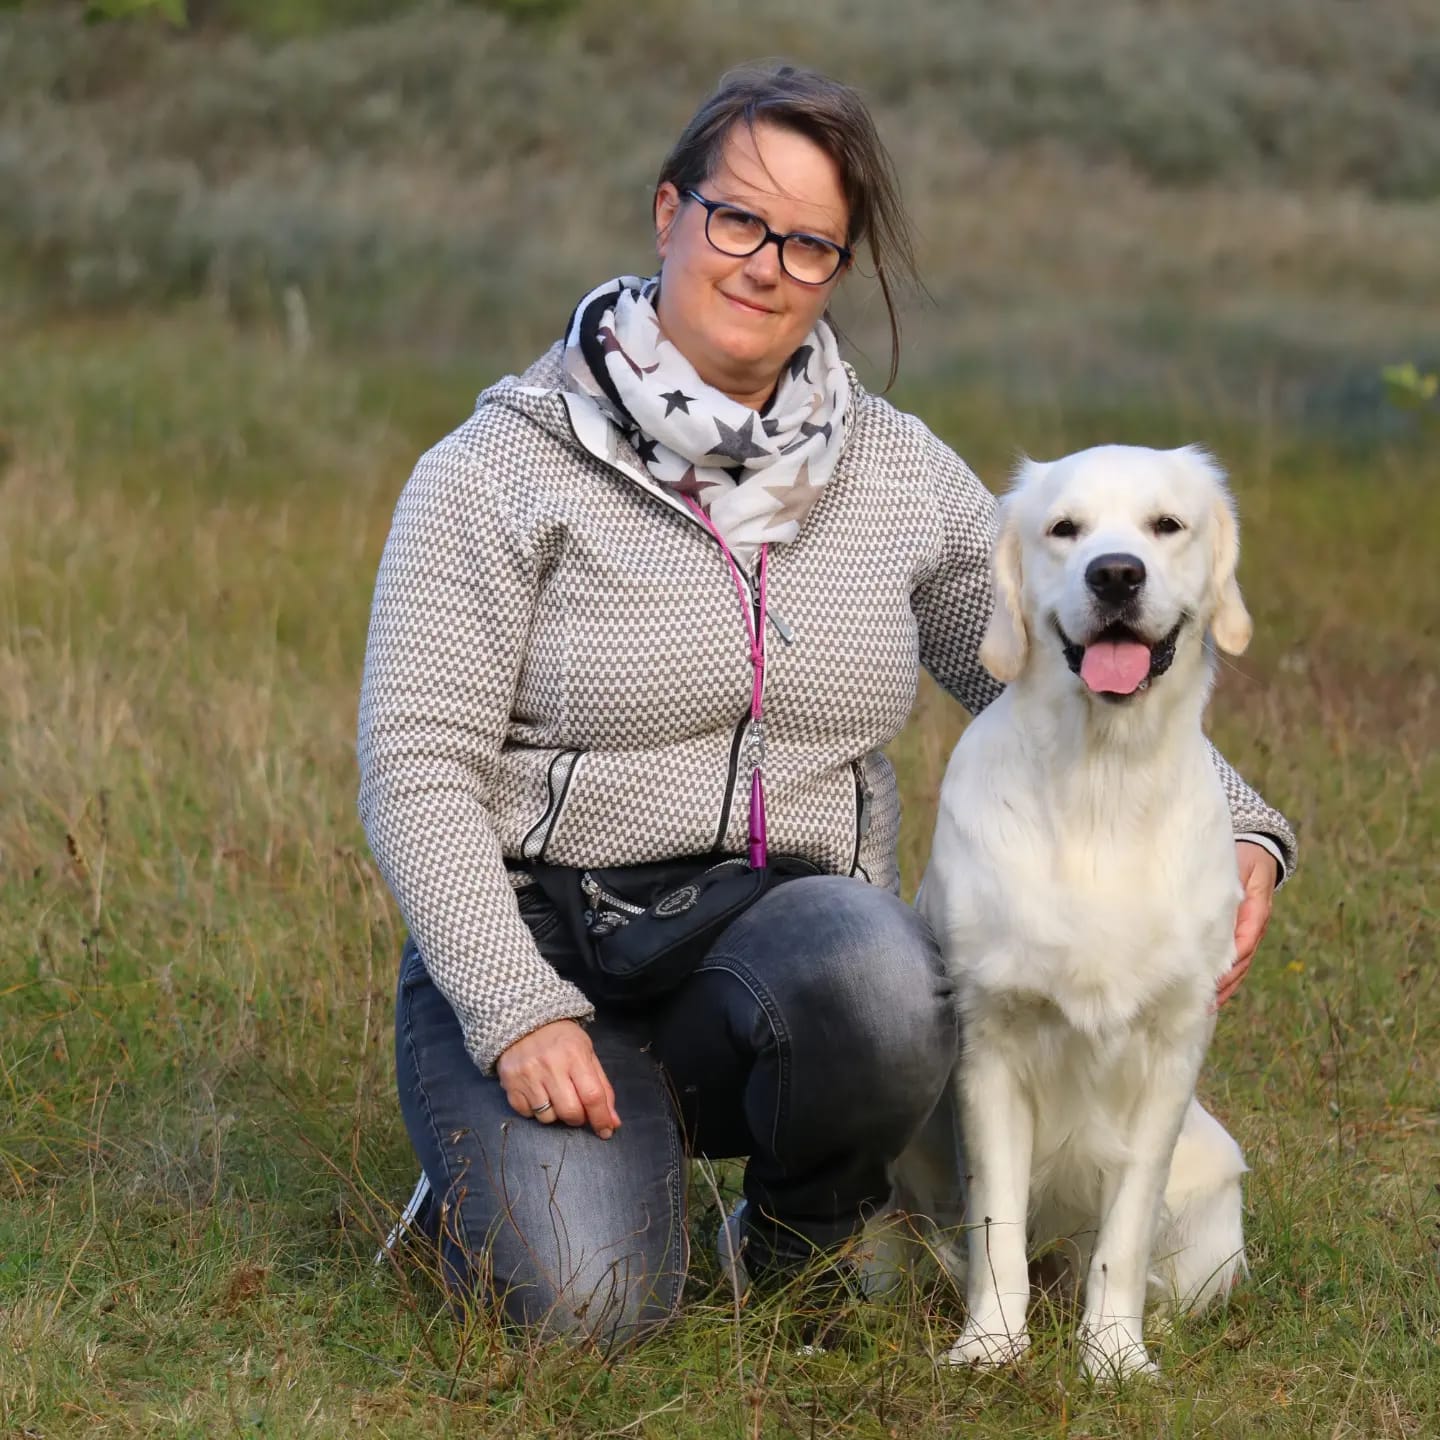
x,y
952,607
952,603
1254,820
448,629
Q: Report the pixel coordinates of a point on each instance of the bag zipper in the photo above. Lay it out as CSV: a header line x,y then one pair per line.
x,y
596,894
722,864
609,911
606,913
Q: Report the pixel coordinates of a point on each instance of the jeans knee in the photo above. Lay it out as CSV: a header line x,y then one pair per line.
x,y
909,1040
607,1306
853,988
558,1278
876,971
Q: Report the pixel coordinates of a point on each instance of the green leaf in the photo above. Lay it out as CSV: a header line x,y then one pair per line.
x,y
1409,387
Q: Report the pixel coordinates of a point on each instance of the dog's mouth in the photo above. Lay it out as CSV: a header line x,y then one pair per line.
x,y
1116,663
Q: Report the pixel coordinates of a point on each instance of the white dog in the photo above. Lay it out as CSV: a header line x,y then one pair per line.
x,y
1084,887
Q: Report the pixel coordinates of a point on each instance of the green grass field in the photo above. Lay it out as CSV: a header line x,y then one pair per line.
x,y
200,1144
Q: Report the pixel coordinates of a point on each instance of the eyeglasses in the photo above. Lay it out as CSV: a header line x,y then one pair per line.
x,y
806,258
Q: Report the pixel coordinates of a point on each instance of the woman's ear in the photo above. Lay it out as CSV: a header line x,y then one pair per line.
x,y
667,206
1006,645
1231,625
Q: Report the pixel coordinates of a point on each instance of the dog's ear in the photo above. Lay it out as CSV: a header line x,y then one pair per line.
x,y
1231,625
1007,638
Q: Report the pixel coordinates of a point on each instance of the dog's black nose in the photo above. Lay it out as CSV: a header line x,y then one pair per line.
x,y
1115,578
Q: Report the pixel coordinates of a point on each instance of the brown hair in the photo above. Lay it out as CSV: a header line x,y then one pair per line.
x,y
836,119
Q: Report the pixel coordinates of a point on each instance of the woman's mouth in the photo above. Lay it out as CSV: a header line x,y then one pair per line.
x,y
746,307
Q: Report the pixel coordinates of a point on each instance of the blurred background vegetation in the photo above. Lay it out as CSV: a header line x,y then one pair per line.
x,y
1121,198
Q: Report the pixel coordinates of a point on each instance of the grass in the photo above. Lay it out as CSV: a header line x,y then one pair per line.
x,y
200,1144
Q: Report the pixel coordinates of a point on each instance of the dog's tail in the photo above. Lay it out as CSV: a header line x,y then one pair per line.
x,y
1199,1253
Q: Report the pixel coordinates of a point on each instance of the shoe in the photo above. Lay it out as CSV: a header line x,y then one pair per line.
x,y
729,1243
416,1212
821,1302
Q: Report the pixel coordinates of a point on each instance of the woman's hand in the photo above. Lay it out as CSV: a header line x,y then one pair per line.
x,y
557,1063
1259,877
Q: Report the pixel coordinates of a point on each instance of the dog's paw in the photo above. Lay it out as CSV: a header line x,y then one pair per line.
x,y
1114,1353
987,1348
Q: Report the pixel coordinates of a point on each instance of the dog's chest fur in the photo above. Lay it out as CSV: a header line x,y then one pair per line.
x,y
1085,913
1100,946
1101,897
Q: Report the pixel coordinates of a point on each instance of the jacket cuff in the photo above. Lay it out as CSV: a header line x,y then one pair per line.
x,y
487,1042
1266,843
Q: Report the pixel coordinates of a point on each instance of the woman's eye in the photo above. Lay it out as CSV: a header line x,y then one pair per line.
x,y
1064,530
738,222
1168,525
807,245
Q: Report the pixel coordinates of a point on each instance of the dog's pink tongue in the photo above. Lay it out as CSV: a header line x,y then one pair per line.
x,y
1117,665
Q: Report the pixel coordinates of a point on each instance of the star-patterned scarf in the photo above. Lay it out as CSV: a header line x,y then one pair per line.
x,y
755,473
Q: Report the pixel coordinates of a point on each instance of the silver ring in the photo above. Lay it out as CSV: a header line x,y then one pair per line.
x,y
541,1109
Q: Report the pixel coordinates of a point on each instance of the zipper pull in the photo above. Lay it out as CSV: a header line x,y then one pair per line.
x,y
782,626
862,820
759,851
755,744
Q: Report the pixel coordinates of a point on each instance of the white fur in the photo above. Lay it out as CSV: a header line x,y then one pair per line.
x,y
1083,884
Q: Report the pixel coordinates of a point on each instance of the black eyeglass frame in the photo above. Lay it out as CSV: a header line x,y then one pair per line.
x,y
844,255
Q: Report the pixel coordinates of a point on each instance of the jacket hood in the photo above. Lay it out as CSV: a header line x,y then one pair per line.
x,y
572,420
538,393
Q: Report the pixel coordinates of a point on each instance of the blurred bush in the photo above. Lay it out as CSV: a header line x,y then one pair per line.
x,y
1119,174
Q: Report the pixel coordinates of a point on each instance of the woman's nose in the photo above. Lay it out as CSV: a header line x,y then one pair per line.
x,y
763,266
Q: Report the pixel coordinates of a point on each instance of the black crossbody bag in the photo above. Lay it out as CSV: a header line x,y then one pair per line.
x,y
640,930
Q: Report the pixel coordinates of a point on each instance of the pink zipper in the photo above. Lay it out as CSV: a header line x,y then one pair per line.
x,y
755,631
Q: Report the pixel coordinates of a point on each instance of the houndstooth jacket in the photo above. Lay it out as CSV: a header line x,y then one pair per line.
x,y
557,669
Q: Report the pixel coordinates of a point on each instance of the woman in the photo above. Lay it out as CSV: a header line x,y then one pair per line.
x,y
564,669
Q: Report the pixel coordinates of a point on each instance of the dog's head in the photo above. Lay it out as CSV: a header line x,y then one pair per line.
x,y
1111,556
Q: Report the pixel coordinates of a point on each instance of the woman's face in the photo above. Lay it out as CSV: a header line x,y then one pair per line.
x,y
737,321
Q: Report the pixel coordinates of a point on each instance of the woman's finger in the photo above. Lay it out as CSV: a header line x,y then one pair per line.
x,y
528,1098
595,1094
1229,982
1258,876
554,1074
565,1103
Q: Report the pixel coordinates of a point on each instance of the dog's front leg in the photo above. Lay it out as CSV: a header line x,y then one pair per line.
x,y
999,1133
1112,1343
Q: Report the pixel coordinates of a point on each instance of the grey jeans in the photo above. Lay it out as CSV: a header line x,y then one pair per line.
x,y
814,1038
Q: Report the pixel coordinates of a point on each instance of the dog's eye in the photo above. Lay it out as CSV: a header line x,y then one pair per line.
x,y
1167,525
1064,530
